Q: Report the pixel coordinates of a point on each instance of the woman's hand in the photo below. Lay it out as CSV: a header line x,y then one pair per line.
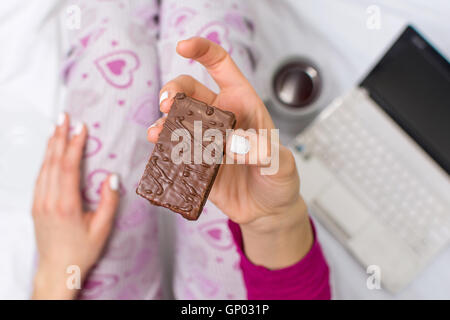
x,y
65,234
269,209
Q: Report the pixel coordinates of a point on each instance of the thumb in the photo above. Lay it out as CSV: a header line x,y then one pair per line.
x,y
103,217
253,148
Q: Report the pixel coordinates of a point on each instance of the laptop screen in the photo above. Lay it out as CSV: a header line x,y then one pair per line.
x,y
412,84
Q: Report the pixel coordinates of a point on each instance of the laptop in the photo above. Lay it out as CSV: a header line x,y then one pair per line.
x,y
374,165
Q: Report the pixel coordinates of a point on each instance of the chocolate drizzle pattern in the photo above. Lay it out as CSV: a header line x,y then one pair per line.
x,y
183,188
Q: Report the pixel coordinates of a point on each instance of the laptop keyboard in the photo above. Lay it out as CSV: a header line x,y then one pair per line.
x,y
379,178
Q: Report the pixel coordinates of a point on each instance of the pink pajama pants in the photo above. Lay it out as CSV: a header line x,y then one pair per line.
x,y
116,63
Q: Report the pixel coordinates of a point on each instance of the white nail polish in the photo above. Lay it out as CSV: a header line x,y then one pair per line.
x,y
153,125
114,182
61,118
163,97
239,145
78,128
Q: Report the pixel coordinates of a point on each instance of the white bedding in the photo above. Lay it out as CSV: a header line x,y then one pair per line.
x,y
28,91
29,96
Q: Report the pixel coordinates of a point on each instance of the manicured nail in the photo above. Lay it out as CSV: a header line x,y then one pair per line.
x,y
239,144
164,96
78,128
157,122
114,182
61,118
185,39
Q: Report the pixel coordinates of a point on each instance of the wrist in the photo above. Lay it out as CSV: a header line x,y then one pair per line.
x,y
281,220
54,284
280,240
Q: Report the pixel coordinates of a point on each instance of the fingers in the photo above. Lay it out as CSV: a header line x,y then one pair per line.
x,y
185,84
58,145
103,218
251,148
71,161
215,59
42,179
61,133
75,147
60,171
49,174
155,129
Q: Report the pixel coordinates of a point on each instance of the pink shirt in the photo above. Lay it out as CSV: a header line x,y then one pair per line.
x,y
307,279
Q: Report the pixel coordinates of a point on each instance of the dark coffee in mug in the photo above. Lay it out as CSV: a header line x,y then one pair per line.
x,y
296,84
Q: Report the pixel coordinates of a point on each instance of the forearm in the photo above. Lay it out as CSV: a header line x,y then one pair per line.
x,y
279,241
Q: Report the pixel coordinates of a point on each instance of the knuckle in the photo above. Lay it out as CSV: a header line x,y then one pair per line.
x,y
63,207
223,57
55,160
68,164
76,146
47,206
59,208
184,78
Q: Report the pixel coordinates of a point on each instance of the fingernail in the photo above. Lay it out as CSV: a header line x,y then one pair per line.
x,y
78,128
61,118
157,122
114,182
186,39
164,96
239,144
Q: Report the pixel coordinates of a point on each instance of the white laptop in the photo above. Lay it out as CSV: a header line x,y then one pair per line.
x,y
374,165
